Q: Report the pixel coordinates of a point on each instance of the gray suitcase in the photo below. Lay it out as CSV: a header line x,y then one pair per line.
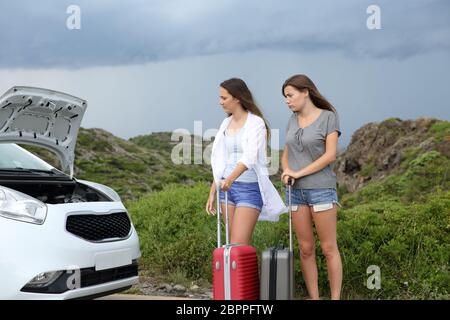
x,y
277,268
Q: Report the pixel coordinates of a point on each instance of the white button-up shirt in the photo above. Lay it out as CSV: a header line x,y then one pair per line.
x,y
254,156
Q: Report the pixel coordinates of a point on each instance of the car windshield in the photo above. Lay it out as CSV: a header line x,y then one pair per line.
x,y
14,157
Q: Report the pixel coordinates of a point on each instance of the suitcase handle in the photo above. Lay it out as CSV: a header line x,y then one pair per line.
x,y
227,231
219,235
290,214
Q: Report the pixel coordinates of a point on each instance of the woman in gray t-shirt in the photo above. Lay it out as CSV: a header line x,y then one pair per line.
x,y
309,153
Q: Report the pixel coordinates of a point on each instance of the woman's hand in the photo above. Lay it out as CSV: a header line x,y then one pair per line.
x,y
288,179
210,205
225,185
290,173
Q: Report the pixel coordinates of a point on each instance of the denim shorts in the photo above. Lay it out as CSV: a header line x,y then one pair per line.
x,y
312,197
243,194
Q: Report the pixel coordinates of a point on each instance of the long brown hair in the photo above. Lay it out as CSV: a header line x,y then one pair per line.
x,y
239,90
301,82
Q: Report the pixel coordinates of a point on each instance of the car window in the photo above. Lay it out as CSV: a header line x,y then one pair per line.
x,y
13,156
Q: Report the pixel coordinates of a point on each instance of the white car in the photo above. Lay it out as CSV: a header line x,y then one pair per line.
x,y
60,238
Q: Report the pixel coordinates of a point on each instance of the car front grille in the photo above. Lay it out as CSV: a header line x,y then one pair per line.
x,y
90,277
100,228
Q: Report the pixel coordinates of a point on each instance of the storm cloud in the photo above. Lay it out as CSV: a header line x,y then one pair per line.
x,y
34,33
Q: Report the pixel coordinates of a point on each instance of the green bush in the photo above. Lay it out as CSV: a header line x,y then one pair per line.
x,y
410,244
175,232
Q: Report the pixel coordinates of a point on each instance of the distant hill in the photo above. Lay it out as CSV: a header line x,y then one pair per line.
x,y
378,150
136,166
132,167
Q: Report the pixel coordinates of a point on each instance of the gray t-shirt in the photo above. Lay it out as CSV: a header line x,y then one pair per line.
x,y
307,145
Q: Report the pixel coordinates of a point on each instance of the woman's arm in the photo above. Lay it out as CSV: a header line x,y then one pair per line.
x,y
285,166
328,157
240,168
284,159
212,190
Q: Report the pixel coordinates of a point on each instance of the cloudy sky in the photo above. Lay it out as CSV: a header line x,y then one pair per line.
x,y
155,65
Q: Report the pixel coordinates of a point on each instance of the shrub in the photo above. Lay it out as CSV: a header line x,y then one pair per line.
x,y
175,232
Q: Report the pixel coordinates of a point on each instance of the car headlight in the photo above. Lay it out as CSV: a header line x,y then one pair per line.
x,y
19,206
109,192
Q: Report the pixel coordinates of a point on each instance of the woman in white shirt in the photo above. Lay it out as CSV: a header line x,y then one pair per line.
x,y
239,164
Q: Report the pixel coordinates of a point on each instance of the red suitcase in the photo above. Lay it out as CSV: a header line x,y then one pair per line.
x,y
235,267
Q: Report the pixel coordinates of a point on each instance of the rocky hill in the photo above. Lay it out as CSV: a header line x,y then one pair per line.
x,y
378,150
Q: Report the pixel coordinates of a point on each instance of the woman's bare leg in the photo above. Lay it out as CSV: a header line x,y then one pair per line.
x,y
325,222
231,209
302,222
244,221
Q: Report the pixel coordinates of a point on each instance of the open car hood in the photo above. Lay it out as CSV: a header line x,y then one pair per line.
x,y
42,117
